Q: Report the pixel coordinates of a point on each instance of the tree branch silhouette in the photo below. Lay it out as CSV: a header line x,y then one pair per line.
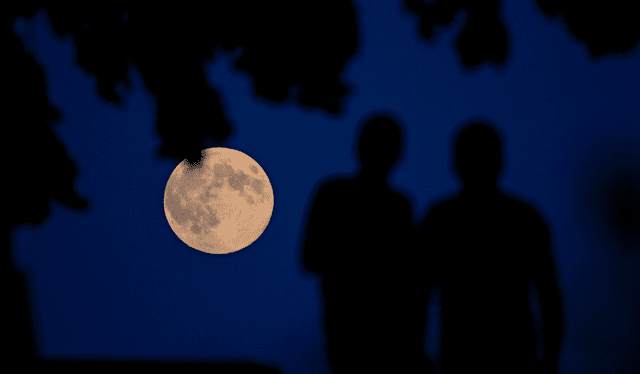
x,y
605,28
38,164
293,51
287,45
483,38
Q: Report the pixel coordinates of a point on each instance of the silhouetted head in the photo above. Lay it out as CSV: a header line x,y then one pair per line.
x,y
379,143
478,156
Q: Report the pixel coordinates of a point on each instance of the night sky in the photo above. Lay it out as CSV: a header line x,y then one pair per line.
x,y
116,282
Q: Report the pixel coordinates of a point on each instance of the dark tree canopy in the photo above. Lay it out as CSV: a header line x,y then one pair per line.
x,y
605,27
39,167
294,51
482,39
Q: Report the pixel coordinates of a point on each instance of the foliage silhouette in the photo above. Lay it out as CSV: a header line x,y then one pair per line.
x,y
169,46
359,240
606,28
483,38
39,170
291,50
483,249
295,51
302,66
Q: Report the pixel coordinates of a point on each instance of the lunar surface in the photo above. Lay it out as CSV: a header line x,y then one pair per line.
x,y
220,205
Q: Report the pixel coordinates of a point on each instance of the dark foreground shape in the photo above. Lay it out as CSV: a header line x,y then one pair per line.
x,y
359,240
484,249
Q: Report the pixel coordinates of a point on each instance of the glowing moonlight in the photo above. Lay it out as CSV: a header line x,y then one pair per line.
x,y
221,204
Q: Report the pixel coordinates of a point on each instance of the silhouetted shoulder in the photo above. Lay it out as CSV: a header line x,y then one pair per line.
x,y
323,222
440,207
400,200
403,197
327,186
525,208
432,228
333,183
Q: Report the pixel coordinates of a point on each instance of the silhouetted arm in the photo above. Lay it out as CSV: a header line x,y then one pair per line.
x,y
428,244
546,281
316,241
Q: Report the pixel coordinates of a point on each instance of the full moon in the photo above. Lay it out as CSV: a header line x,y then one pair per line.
x,y
221,204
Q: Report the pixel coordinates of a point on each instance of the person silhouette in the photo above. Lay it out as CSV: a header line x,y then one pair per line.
x,y
485,250
359,239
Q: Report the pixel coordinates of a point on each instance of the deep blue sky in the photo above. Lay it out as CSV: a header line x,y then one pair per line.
x,y
117,282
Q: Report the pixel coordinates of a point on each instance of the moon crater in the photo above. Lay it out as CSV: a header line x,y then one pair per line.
x,y
208,206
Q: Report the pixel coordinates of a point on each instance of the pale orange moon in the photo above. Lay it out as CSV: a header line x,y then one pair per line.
x,y
220,205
